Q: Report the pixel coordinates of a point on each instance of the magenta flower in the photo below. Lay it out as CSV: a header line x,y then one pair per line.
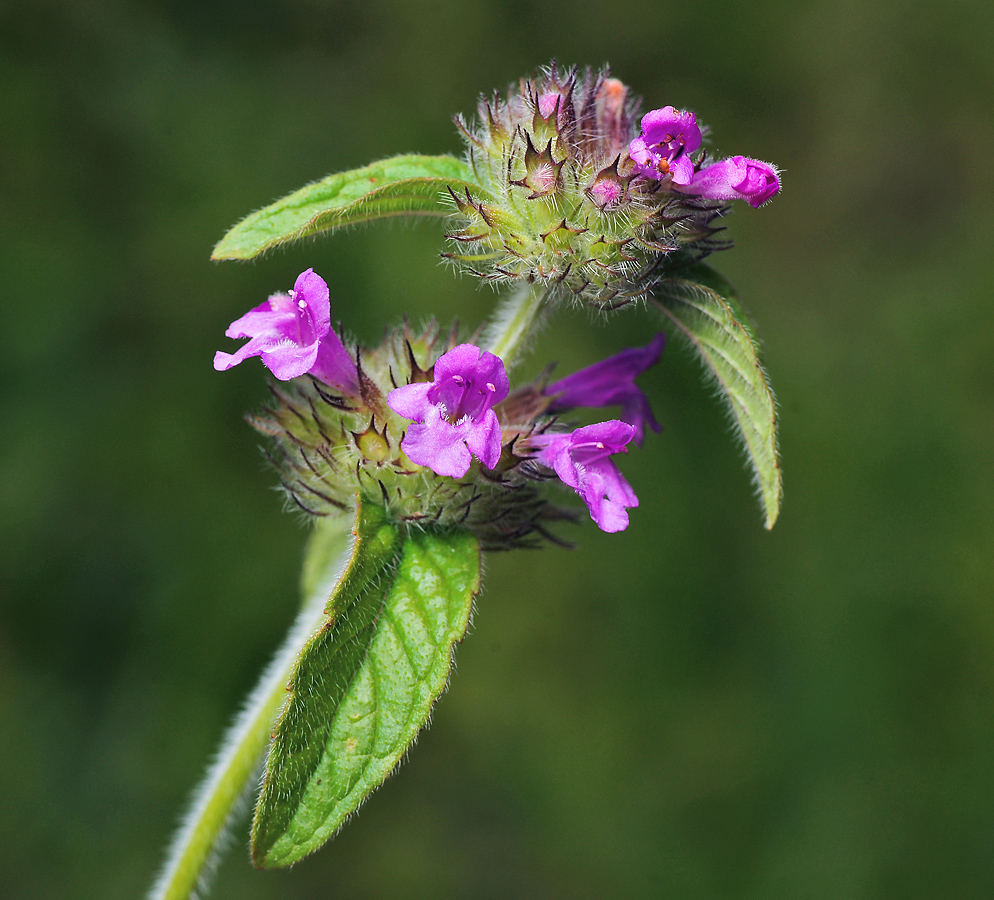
x,y
581,460
453,415
735,178
548,103
611,382
293,335
606,192
663,148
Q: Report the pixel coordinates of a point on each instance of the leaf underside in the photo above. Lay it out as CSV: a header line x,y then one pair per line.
x,y
704,307
400,186
365,684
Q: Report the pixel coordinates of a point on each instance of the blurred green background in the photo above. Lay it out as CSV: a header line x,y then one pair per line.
x,y
694,708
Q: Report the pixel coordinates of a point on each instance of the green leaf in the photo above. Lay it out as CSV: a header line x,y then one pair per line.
x,y
365,683
399,186
706,310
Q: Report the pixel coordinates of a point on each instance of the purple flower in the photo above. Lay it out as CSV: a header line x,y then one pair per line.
x,y
581,460
293,335
453,414
606,193
663,148
735,178
611,382
548,103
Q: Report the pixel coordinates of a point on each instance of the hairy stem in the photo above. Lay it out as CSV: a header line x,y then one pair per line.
x,y
196,847
515,320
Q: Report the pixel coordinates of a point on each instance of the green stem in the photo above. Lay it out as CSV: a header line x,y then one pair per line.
x,y
194,852
514,322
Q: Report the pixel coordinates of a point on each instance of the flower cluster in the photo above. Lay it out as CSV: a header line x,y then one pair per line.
x,y
581,198
424,442
574,195
448,443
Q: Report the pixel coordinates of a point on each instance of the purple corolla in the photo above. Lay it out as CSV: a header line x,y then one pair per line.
x,y
663,148
735,178
611,382
453,414
548,102
293,335
582,461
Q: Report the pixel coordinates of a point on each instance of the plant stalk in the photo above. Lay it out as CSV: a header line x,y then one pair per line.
x,y
195,850
516,319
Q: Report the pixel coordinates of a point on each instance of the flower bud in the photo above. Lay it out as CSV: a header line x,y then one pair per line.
x,y
373,445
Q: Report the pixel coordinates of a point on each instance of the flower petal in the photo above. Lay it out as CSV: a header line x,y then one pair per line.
x,y
670,125
334,364
313,290
224,361
411,400
473,364
736,178
483,439
289,360
264,319
682,170
611,382
439,445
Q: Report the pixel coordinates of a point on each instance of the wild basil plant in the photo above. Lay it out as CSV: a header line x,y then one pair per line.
x,y
431,452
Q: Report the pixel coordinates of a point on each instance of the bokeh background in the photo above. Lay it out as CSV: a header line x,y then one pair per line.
x,y
694,708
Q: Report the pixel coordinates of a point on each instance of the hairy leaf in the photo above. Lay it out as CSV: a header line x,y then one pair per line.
x,y
704,307
365,684
399,186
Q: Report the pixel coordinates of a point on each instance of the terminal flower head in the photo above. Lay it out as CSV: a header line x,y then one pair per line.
x,y
735,178
292,334
668,137
557,200
582,460
453,413
611,382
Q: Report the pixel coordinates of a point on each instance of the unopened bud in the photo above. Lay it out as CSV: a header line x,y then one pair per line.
x,y
373,445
